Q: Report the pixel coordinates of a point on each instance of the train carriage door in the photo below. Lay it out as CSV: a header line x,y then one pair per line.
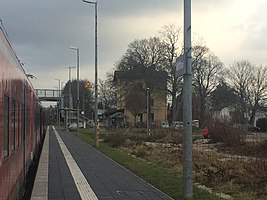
x,y
41,124
32,122
36,124
6,127
26,130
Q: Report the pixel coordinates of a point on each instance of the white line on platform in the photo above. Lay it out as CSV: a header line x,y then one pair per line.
x,y
40,189
82,185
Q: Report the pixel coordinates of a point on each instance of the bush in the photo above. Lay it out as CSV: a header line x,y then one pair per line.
x,y
116,139
177,138
158,135
138,138
227,133
262,124
140,151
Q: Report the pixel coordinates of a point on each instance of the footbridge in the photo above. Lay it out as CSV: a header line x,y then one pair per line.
x,y
57,96
48,94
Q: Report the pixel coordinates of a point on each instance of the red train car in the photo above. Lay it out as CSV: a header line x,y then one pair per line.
x,y
21,121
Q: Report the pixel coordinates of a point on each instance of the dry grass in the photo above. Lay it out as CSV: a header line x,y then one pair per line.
x,y
233,176
240,178
252,149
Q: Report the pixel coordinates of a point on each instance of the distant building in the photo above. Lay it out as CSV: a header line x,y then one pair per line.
x,y
224,114
141,91
261,114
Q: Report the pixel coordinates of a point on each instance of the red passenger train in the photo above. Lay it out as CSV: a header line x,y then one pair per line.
x,y
21,121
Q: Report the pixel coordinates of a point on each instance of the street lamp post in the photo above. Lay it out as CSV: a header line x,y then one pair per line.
x,y
62,100
78,84
62,84
55,91
148,111
96,85
70,105
59,95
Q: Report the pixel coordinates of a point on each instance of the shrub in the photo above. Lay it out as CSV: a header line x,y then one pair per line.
x,y
116,139
177,138
138,138
166,136
140,151
227,133
158,135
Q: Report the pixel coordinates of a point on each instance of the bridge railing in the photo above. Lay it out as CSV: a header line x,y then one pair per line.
x,y
48,93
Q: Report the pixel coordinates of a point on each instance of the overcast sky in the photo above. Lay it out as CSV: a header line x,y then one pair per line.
x,y
41,31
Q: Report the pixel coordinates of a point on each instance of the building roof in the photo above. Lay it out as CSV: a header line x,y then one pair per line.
x,y
145,73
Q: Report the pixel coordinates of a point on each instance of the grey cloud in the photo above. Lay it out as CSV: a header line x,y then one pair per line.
x,y
256,30
42,31
257,40
120,8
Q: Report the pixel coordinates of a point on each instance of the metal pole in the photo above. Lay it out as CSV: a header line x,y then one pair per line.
x,y
148,112
66,119
58,101
83,110
187,105
69,95
62,101
96,85
78,86
78,90
62,83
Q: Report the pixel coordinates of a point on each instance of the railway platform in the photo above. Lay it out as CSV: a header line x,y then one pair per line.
x,y
73,170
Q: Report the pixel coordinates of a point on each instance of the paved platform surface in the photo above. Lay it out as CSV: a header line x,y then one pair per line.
x,y
78,171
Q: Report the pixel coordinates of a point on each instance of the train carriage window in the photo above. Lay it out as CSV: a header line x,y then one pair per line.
x,y
13,125
6,127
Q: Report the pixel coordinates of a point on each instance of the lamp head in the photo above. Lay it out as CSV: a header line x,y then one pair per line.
x,y
74,48
91,2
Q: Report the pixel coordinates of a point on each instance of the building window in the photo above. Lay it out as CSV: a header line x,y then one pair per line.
x,y
152,117
139,117
6,127
13,125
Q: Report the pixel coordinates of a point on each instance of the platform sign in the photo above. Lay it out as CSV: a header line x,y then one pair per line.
x,y
180,67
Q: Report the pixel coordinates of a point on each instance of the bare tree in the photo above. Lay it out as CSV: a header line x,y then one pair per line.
x,y
107,92
240,77
143,53
250,84
206,68
170,35
258,91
